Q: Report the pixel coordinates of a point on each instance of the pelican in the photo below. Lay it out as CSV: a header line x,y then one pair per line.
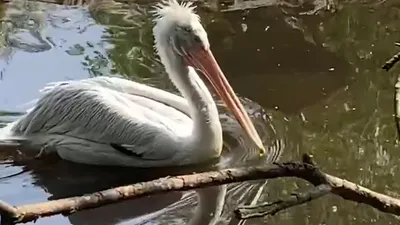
x,y
118,122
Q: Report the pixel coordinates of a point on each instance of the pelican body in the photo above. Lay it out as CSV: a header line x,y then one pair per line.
x,y
114,121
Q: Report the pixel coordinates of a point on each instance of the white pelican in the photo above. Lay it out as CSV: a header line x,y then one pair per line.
x,y
113,121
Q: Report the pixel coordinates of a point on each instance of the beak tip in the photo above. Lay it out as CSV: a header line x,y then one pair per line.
x,y
262,151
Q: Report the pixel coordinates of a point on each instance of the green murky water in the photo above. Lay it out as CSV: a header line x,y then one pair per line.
x,y
311,81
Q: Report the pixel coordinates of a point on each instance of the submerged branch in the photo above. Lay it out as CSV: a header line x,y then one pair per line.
x,y
303,170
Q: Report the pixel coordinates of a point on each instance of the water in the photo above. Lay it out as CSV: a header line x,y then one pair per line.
x,y
312,83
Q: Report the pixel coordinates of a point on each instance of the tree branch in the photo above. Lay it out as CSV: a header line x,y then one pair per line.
x,y
306,171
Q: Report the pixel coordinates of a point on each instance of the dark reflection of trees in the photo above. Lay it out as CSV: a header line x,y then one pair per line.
x,y
272,63
352,133
129,31
360,115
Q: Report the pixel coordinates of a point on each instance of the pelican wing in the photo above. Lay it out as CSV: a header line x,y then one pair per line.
x,y
99,112
130,87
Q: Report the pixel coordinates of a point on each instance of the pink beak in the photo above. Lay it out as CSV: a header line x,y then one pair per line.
x,y
204,60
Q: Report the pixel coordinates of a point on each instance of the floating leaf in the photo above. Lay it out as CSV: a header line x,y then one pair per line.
x,y
77,49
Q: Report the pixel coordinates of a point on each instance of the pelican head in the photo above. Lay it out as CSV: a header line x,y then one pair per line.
x,y
181,25
179,35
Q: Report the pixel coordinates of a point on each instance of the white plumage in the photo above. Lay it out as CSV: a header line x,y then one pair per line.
x,y
114,121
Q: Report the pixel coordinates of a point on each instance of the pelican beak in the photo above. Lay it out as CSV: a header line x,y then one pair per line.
x,y
204,60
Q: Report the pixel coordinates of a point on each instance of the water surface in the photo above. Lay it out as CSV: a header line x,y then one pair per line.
x,y
311,81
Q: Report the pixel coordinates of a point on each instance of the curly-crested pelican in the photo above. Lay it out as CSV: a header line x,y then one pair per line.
x,y
114,121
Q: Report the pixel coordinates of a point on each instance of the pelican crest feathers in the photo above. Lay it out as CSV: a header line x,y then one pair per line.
x,y
172,10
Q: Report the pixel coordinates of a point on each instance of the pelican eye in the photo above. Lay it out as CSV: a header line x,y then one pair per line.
x,y
197,38
186,29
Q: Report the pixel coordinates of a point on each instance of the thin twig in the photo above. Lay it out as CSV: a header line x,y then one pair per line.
x,y
264,209
396,101
392,61
306,158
